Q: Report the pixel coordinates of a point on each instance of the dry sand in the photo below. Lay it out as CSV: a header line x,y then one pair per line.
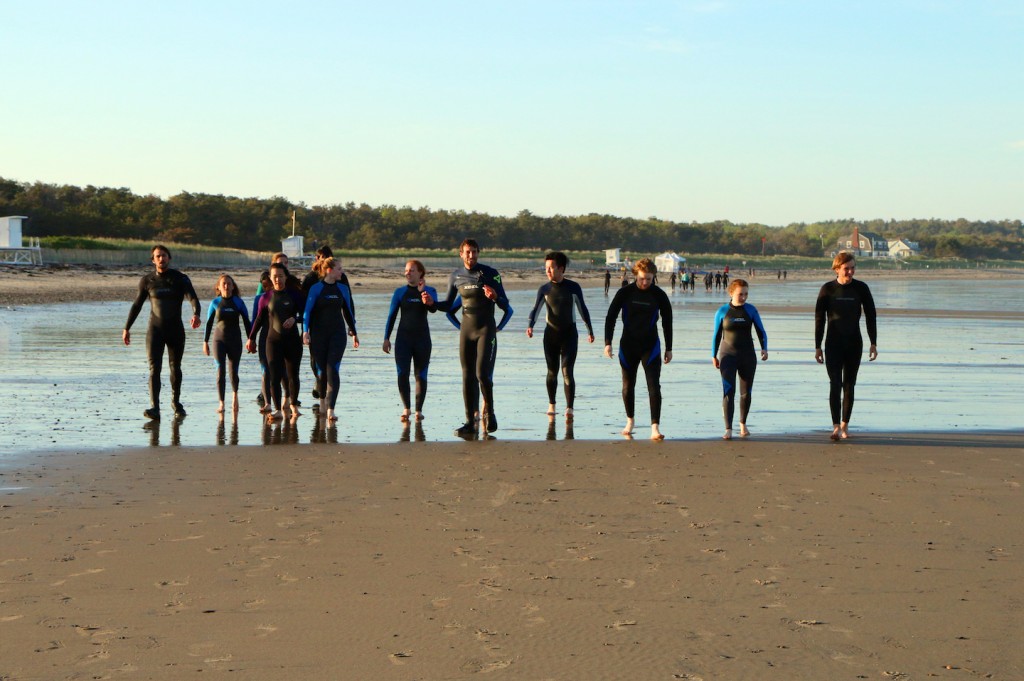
x,y
779,558
21,285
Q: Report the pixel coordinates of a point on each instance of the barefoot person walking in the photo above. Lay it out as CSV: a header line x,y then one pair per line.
x,y
222,319
837,320
732,352
410,305
166,290
641,304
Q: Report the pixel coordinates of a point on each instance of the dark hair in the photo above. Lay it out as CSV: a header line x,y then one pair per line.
x,y
419,266
234,286
324,252
469,242
159,247
561,259
280,266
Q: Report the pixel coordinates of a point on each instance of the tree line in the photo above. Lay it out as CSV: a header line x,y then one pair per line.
x,y
260,224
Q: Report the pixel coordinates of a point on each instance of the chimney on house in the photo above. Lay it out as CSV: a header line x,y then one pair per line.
x,y
856,240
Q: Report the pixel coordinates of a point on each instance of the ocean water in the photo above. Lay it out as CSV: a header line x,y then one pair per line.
x,y
950,359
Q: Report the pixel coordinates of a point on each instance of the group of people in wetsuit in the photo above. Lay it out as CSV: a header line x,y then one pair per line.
x,y
323,317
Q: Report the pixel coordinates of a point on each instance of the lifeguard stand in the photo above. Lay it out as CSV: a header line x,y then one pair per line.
x,y
12,249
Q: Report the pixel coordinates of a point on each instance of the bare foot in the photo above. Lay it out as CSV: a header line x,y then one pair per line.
x,y
274,415
743,430
419,416
551,410
835,433
843,431
728,434
568,414
656,433
234,403
628,429
331,418
404,418
220,408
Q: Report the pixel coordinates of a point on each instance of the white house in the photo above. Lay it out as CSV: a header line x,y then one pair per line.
x,y
900,248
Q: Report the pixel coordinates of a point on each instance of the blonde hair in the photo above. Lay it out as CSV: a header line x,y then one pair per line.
x,y
324,265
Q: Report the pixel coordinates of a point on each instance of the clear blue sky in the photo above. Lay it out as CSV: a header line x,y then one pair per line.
x,y
770,111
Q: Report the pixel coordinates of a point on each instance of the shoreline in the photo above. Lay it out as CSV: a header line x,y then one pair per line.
x,y
50,284
877,557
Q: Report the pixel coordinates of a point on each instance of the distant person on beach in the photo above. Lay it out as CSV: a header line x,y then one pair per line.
x,y
641,304
410,305
732,352
560,298
226,310
329,319
837,321
279,311
480,291
166,290
624,282
607,281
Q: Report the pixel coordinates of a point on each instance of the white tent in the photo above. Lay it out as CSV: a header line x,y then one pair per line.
x,y
668,262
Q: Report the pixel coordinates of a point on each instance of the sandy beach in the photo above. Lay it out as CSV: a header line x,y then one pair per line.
x,y
780,558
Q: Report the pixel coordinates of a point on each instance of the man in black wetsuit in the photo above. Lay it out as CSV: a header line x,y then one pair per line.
x,y
480,290
561,298
166,289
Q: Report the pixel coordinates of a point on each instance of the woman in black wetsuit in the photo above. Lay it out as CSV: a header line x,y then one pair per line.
x,y
329,319
641,304
226,310
279,310
412,342
837,321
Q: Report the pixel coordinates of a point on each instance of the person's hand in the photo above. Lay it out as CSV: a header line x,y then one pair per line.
x,y
250,345
608,351
529,332
126,337
289,323
668,356
206,348
819,357
590,338
355,341
305,338
764,355
490,293
387,346
195,321
718,364
426,298
872,353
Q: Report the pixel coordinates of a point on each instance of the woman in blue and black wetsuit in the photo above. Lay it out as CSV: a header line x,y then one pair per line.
x,y
280,310
732,352
412,342
222,318
329,319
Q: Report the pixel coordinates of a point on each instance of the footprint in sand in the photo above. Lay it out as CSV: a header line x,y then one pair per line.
x,y
264,630
481,667
505,492
399,658
626,583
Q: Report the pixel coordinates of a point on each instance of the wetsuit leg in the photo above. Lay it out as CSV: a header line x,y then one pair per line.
x,y
175,351
842,361
332,366
220,353
421,361
292,365
155,353
570,346
652,370
747,368
486,355
552,354
234,353
728,366
629,362
261,346
318,351
403,364
275,371
468,350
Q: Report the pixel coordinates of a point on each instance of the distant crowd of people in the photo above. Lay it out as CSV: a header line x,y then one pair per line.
x,y
319,312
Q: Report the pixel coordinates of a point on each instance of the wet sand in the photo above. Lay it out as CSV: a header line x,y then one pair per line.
x,y
49,284
775,558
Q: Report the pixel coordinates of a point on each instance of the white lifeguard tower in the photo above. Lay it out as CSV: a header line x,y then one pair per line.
x,y
12,249
613,258
294,245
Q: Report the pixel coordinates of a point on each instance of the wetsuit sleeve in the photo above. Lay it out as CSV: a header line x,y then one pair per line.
x,y
433,294
245,315
450,314
210,314
448,304
507,309
140,300
396,300
666,318
820,316
717,330
261,316
351,299
348,310
869,314
531,319
314,293
190,293
582,307
755,317
613,314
